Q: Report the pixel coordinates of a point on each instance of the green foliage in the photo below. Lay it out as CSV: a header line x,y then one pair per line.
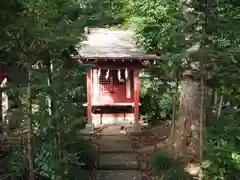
x,y
166,168
156,99
15,166
65,150
102,13
59,152
76,156
171,31
222,147
36,33
87,153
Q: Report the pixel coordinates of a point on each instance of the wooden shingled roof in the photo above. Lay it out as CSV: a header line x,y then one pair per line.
x,y
102,43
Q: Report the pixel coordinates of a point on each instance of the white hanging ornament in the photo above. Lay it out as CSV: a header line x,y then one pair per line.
x,y
107,74
119,74
99,73
126,73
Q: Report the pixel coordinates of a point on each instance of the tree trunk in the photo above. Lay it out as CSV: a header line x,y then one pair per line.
x,y
202,118
187,126
30,148
174,100
52,111
209,106
219,109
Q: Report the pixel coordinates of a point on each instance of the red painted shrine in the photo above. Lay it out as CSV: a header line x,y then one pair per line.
x,y
3,73
112,85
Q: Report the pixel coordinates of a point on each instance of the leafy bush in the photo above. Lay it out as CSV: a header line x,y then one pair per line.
x,y
166,168
87,155
15,166
75,157
222,147
156,101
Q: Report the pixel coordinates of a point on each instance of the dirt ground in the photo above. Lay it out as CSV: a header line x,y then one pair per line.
x,y
145,143
155,139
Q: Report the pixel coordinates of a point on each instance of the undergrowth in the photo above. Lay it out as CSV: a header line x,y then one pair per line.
x,y
75,157
166,167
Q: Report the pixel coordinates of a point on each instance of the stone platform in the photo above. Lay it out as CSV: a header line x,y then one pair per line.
x,y
117,160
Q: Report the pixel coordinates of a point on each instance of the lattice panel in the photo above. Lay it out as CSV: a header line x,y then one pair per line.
x,y
109,79
110,76
113,85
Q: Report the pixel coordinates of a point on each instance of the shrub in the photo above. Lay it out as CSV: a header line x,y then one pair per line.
x,y
222,147
76,156
166,168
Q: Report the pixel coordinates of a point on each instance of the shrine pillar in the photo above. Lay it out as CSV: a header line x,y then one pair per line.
x,y
4,101
136,95
89,96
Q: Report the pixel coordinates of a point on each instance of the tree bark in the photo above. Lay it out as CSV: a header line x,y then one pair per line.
x,y
219,109
187,126
52,110
202,118
30,148
174,100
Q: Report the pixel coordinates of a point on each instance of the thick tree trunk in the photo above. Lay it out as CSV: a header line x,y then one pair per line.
x,y
187,126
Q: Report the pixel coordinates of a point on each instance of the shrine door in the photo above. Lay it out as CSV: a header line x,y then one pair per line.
x,y
113,86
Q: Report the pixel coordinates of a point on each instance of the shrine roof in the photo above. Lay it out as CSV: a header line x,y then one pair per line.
x,y
102,43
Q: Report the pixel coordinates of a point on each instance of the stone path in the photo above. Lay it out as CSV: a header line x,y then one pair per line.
x,y
117,160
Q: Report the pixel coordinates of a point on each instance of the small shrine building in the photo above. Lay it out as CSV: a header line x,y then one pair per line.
x,y
112,84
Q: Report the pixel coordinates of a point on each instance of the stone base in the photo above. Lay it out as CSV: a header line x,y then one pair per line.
x,y
136,129
118,161
112,131
112,119
113,145
118,175
88,130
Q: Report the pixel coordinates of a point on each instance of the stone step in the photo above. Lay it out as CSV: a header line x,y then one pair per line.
x,y
135,129
116,152
115,145
118,138
114,130
118,175
84,174
118,161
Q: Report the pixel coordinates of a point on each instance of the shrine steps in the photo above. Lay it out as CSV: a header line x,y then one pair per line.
x,y
117,160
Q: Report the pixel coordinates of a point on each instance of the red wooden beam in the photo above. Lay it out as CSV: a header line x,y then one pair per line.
x,y
111,104
136,95
3,73
123,66
137,58
89,96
